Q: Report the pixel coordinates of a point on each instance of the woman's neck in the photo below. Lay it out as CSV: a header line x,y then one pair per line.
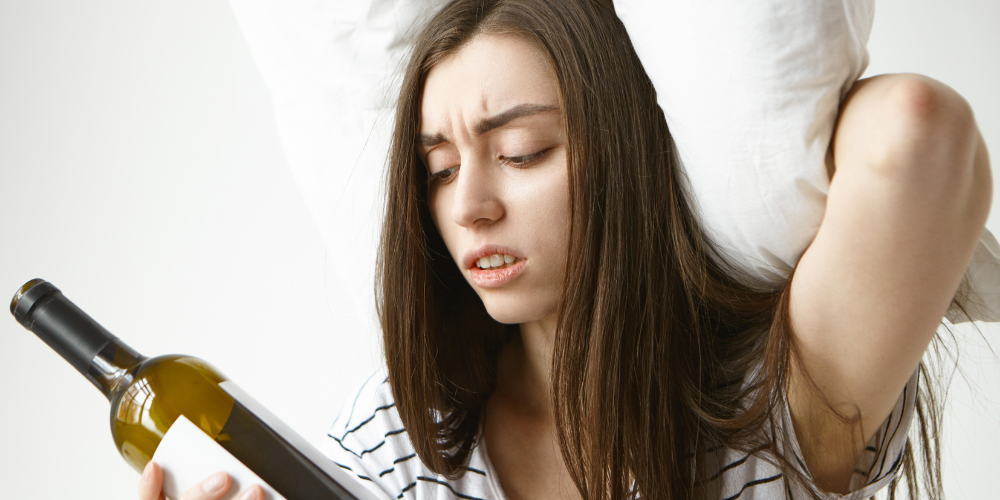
x,y
524,368
519,424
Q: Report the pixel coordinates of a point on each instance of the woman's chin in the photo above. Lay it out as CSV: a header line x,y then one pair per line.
x,y
516,312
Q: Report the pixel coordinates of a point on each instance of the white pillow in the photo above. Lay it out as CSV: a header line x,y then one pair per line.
x,y
330,67
750,91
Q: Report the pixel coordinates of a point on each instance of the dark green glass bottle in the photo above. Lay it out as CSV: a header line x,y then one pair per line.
x,y
148,394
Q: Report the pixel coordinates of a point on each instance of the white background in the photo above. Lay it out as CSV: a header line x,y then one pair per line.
x,y
140,172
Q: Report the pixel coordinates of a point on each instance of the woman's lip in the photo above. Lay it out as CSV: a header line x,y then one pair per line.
x,y
469,261
492,278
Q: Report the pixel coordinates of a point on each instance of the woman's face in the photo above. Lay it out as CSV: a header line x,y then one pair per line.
x,y
491,136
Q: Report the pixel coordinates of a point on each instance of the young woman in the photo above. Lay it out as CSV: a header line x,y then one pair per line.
x,y
556,325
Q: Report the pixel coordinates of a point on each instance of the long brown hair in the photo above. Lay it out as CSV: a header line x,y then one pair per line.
x,y
662,350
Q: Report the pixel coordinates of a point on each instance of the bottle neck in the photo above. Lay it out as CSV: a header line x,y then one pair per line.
x,y
113,367
89,347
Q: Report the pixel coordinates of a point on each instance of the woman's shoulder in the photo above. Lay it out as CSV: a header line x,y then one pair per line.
x,y
369,440
367,418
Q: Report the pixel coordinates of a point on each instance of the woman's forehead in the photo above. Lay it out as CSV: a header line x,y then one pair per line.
x,y
489,75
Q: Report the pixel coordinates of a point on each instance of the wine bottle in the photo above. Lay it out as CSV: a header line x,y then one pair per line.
x,y
148,395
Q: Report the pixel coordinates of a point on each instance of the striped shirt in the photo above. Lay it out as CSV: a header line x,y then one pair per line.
x,y
368,440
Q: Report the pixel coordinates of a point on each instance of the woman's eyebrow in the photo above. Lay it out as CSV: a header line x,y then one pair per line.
x,y
428,140
490,123
504,117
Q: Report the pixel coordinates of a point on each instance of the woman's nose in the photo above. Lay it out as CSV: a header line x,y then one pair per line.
x,y
477,195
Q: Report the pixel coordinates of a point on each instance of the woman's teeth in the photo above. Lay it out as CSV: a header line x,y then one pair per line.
x,y
495,261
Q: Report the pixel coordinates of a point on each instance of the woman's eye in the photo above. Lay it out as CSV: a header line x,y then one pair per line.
x,y
521,161
442,176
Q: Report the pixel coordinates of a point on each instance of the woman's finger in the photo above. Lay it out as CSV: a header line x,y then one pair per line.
x,y
252,493
212,488
151,483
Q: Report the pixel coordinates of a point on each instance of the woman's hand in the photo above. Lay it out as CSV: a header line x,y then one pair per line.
x,y
212,488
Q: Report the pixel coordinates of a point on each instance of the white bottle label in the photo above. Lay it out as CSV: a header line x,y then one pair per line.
x,y
187,456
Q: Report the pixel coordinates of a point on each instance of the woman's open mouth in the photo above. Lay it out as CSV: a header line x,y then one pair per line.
x,y
495,270
496,261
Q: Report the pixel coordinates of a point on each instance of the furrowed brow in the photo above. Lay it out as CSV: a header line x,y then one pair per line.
x,y
511,114
498,120
428,140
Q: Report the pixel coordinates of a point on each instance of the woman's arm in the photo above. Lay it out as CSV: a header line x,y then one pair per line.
x,y
908,200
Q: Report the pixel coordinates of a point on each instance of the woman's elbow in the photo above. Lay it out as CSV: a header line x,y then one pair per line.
x,y
919,135
930,131
940,147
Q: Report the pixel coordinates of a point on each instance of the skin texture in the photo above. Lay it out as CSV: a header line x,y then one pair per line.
x,y
512,187
489,199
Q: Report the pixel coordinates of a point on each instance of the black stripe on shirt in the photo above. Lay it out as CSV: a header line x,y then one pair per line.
x,y
406,488
737,463
369,419
435,481
446,485
866,473
356,396
788,491
895,464
884,434
802,465
753,483
363,452
477,471
899,422
729,466
342,466
713,449
394,462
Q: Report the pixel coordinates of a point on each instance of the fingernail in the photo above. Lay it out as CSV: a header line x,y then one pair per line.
x,y
214,482
251,494
147,471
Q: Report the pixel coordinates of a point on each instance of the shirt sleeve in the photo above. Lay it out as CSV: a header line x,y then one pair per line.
x,y
369,441
881,460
